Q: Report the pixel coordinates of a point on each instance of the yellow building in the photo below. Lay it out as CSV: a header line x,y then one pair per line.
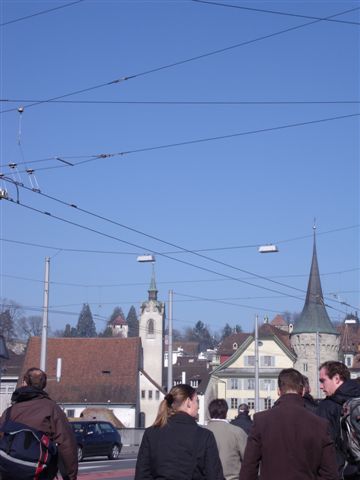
x,y
234,378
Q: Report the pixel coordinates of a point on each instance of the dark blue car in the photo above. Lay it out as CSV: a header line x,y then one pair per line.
x,y
95,438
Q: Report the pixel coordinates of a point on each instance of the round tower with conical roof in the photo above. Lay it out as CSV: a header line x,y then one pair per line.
x,y
314,338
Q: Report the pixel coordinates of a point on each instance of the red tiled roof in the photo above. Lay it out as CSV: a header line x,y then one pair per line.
x,y
279,321
226,346
95,369
119,320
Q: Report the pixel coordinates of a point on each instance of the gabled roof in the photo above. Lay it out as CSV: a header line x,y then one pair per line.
x,y
226,347
94,370
279,321
314,317
266,331
195,370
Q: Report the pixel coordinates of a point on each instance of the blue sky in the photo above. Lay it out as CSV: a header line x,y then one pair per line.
x,y
241,190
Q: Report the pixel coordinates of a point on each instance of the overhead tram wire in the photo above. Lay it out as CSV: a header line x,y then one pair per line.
x,y
274,12
172,258
214,249
139,232
40,13
189,102
102,156
182,62
184,262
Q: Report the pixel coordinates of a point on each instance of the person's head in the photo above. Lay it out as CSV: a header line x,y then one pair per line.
x,y
307,388
181,398
34,377
243,409
290,381
331,375
218,408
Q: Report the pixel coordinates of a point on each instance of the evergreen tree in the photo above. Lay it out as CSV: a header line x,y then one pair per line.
x,y
107,332
200,333
7,328
238,329
226,331
132,322
86,326
117,312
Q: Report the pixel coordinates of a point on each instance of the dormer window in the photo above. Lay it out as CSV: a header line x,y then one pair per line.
x,y
235,346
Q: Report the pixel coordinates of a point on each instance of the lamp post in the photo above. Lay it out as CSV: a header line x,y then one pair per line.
x,y
3,354
256,363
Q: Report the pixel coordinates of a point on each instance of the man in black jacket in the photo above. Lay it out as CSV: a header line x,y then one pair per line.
x,y
243,420
336,384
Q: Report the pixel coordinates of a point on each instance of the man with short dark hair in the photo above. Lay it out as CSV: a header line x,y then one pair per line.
x,y
335,382
230,440
243,419
288,441
32,406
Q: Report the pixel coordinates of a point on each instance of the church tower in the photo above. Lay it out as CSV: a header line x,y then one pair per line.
x,y
314,338
151,331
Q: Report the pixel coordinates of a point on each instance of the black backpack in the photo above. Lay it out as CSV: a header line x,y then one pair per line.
x,y
350,429
25,453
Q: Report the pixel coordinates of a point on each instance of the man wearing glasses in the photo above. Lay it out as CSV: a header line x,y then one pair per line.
x,y
335,382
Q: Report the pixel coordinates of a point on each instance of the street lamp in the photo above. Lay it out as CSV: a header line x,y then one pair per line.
x,y
270,248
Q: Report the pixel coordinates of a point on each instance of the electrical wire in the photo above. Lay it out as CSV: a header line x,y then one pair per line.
x,y
182,62
276,12
40,13
164,255
152,237
103,156
189,102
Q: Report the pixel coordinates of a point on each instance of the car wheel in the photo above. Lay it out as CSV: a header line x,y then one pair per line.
x,y
79,453
115,452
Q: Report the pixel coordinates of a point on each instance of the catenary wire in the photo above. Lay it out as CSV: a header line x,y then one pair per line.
x,y
152,237
40,13
103,156
113,222
189,102
182,62
69,222
275,12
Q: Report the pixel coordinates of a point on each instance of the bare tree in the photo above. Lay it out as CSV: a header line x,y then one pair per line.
x,y
29,326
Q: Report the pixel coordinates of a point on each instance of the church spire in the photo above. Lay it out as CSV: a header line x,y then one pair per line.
x,y
314,317
152,289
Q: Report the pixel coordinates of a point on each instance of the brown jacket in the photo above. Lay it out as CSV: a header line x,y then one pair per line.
x,y
291,443
33,407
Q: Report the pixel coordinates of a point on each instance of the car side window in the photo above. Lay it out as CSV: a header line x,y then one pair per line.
x,y
106,428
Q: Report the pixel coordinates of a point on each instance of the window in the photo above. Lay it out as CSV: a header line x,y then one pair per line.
x,y
249,361
235,346
234,402
267,403
249,384
267,384
142,393
106,427
348,361
305,367
233,384
194,383
157,395
70,412
267,361
150,328
150,395
251,403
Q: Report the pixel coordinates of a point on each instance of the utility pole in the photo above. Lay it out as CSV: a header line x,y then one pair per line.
x,y
170,342
45,316
256,363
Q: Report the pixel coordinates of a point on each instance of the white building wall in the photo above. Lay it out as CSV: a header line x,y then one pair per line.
x,y
126,414
150,399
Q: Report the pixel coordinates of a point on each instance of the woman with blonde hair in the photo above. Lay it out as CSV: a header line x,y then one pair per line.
x,y
175,447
